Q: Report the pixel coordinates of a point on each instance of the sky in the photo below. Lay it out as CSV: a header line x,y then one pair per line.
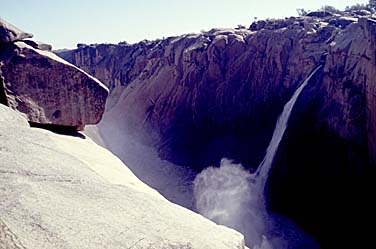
x,y
65,23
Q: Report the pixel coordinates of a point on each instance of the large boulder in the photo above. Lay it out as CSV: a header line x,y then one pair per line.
x,y
10,33
67,192
49,90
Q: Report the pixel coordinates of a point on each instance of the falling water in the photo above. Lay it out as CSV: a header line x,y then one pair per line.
x,y
231,196
263,169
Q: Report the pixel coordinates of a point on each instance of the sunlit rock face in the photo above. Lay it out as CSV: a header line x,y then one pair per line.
x,y
200,97
47,89
68,192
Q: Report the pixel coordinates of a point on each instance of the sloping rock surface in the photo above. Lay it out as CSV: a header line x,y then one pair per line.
x,y
67,192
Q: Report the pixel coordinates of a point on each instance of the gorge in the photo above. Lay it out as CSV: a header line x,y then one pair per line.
x,y
198,98
268,129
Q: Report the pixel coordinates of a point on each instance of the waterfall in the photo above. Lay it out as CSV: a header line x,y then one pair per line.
x,y
263,169
232,196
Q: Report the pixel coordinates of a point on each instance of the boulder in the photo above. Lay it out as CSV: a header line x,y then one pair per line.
x,y
67,192
343,21
320,14
258,25
362,12
49,90
10,33
38,45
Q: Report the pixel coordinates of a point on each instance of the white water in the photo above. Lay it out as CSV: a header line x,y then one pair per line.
x,y
226,195
263,169
231,196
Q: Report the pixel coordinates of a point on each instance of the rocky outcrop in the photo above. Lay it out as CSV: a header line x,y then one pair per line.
x,y
200,97
38,45
47,89
67,192
10,33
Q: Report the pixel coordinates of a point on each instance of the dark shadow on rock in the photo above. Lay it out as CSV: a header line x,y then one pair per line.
x,y
3,96
321,181
59,129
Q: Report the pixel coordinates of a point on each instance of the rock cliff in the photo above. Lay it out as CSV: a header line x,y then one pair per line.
x,y
206,89
222,81
47,89
201,97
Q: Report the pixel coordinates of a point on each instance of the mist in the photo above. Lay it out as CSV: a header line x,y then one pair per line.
x,y
230,195
227,196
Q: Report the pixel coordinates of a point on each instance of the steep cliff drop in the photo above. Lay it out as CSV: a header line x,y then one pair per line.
x,y
196,98
262,171
231,196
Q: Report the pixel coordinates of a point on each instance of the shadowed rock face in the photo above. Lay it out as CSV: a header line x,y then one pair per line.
x,y
3,97
201,97
205,96
47,89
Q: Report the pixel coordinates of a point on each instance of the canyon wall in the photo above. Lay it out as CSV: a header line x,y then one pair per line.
x,y
200,94
208,88
200,97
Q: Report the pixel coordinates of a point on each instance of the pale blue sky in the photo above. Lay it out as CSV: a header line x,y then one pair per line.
x,y
65,23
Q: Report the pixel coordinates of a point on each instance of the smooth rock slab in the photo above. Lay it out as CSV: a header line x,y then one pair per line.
x,y
48,89
67,192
